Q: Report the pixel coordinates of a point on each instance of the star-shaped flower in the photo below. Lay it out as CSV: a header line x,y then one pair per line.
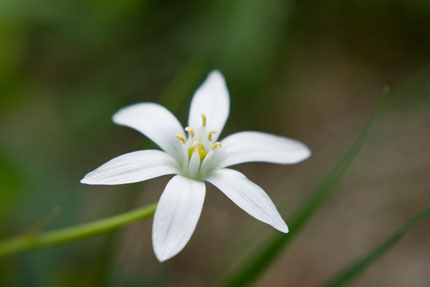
x,y
194,158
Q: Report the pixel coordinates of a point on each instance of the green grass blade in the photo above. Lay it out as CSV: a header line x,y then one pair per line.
x,y
28,242
360,266
253,266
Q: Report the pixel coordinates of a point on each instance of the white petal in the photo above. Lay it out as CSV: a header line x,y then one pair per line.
x,y
176,217
194,164
262,147
211,161
155,122
132,167
248,196
211,98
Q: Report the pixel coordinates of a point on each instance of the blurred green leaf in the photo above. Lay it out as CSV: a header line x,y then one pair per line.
x,y
253,266
366,261
11,182
184,84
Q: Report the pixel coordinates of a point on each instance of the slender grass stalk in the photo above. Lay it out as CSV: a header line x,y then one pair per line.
x,y
28,242
361,265
254,265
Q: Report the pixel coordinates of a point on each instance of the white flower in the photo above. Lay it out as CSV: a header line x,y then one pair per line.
x,y
193,159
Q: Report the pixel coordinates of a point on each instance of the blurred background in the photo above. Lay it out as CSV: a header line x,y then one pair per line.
x,y
309,70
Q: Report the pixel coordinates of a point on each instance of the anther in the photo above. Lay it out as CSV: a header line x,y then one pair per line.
x,y
204,119
196,143
181,137
190,131
211,132
215,145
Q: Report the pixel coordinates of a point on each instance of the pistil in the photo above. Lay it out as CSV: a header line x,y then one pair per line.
x,y
197,140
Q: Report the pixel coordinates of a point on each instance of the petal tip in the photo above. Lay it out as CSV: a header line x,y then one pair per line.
x,y
161,259
217,77
161,255
116,117
87,181
119,116
84,180
283,229
304,154
307,153
216,72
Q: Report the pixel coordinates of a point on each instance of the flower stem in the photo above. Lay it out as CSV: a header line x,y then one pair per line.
x,y
33,241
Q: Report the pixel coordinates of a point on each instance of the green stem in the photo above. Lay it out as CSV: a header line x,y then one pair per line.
x,y
28,242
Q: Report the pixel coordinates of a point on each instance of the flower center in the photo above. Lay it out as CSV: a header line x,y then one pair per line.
x,y
200,139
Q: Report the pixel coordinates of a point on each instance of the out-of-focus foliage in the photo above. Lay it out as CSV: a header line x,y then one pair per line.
x,y
12,182
257,263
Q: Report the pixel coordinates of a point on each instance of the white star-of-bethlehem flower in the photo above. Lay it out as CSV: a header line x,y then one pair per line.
x,y
194,158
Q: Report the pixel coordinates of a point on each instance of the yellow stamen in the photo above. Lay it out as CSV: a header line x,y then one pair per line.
x,y
215,145
181,137
204,119
190,131
211,132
